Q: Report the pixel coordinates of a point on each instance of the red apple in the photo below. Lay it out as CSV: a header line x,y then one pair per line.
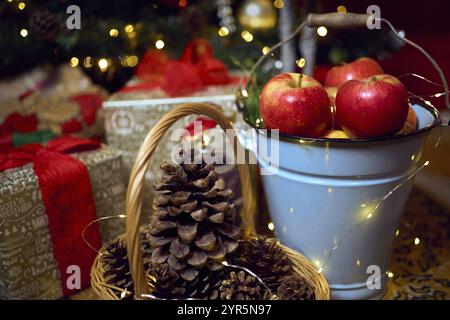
x,y
411,122
295,104
335,134
356,70
373,107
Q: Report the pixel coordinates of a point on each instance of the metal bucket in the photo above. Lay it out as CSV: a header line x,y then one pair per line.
x,y
340,201
326,201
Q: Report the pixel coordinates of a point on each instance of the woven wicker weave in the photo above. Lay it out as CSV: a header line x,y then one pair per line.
x,y
301,265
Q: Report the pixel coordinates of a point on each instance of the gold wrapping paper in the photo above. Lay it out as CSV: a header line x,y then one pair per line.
x,y
28,269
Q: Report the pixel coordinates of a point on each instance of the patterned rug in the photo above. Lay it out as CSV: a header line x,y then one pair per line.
x,y
420,261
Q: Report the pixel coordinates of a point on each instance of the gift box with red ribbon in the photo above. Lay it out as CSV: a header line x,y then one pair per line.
x,y
39,118
161,83
49,102
49,194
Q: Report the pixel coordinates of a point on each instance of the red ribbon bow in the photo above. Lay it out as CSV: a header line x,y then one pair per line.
x,y
67,195
195,70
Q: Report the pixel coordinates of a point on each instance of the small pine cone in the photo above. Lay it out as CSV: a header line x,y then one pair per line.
x,y
295,288
240,286
167,284
117,270
265,258
45,25
195,224
193,18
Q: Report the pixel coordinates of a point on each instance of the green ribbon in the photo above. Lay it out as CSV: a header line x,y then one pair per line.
x,y
42,136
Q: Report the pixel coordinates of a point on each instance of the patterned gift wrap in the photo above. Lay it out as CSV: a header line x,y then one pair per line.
x,y
129,116
28,263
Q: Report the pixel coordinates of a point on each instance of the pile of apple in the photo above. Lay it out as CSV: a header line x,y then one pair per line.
x,y
358,101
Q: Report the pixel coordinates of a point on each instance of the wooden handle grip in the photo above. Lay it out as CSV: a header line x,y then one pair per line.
x,y
338,20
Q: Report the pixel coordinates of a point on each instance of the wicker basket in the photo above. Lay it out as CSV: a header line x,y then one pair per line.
x,y
301,265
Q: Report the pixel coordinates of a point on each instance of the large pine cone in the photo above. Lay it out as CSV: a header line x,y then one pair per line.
x,y
194,225
240,286
264,258
295,288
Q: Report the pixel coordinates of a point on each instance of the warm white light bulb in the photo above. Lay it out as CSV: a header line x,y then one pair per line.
x,y
322,31
159,44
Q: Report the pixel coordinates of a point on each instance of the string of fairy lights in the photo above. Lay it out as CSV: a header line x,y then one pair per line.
x,y
368,210
104,63
250,17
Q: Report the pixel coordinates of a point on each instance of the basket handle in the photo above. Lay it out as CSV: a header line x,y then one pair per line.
x,y
136,183
337,20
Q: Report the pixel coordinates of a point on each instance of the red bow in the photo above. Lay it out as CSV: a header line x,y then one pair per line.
x,y
15,122
194,70
67,195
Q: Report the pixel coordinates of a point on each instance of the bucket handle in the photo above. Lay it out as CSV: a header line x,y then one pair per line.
x,y
339,20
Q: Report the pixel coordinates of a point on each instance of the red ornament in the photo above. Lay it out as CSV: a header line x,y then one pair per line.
x,y
295,104
373,107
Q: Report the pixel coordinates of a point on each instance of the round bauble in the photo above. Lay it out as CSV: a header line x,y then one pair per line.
x,y
257,14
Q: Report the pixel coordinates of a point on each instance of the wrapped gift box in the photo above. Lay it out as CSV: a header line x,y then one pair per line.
x,y
159,85
129,117
47,198
50,103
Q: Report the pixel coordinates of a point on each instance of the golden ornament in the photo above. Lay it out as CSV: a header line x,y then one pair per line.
x,y
257,14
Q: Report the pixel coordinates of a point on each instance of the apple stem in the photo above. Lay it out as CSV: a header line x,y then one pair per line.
x,y
298,81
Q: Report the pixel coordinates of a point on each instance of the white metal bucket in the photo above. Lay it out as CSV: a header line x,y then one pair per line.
x,y
323,196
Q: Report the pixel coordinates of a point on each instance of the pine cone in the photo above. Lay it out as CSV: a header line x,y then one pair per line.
x,y
45,25
265,258
117,270
115,262
295,288
147,248
167,284
194,225
240,286
193,19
